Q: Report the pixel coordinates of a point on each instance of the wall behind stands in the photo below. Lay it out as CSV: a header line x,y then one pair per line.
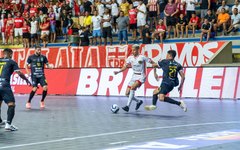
x,y
220,82
188,54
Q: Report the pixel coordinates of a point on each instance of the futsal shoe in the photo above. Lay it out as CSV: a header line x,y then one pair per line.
x,y
150,107
3,123
28,105
42,105
10,127
138,104
126,108
183,106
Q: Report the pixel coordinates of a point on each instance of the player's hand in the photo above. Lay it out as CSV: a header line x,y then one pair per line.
x,y
116,72
29,83
51,66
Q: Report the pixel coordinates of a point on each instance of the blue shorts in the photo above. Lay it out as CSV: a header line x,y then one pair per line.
x,y
53,28
64,30
97,33
122,35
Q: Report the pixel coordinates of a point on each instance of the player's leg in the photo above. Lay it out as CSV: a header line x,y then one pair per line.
x,y
154,100
31,95
1,121
43,83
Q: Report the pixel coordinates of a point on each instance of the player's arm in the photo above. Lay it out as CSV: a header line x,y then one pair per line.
x,y
26,68
23,76
121,70
182,80
50,66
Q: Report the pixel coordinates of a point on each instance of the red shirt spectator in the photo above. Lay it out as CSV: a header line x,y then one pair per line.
x,y
18,22
161,27
181,8
35,2
195,20
32,11
132,16
26,29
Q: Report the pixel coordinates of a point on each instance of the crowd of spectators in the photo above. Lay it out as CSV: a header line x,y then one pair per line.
x,y
90,21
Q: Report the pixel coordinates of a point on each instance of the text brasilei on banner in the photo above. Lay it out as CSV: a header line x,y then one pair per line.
x,y
188,54
221,82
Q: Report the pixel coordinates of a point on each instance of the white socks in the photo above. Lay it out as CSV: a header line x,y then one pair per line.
x,y
130,97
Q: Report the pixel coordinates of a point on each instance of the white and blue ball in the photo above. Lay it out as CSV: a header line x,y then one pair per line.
x,y
115,108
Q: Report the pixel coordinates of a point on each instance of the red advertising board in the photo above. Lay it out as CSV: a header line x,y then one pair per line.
x,y
221,82
188,54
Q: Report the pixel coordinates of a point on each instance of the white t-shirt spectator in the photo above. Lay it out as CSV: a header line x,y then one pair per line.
x,y
57,12
115,9
100,9
135,4
96,21
238,7
119,2
190,5
220,8
235,18
33,29
140,14
106,24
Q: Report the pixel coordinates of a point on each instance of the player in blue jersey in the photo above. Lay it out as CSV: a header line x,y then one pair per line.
x,y
7,67
171,69
37,63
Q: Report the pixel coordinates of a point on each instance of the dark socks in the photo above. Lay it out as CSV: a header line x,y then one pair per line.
x,y
171,101
44,94
154,99
31,96
10,114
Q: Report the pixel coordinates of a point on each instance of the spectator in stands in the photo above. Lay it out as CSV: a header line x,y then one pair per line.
x,y
26,34
64,24
96,26
99,7
170,12
204,6
115,13
124,6
211,19
3,23
141,16
222,21
84,37
235,21
65,7
181,25
193,24
213,5
107,4
88,6
34,24
160,32
33,10
146,35
41,16
70,24
226,7
18,24
10,29
153,11
87,21
57,11
181,6
107,29
162,5
122,22
135,3
132,13
191,8
236,5
206,29
52,20
43,8
45,26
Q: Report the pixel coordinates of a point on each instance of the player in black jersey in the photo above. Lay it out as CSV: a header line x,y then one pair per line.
x,y
37,62
171,69
7,67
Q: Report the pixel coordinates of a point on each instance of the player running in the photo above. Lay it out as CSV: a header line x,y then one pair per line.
x,y
170,68
37,62
7,67
138,64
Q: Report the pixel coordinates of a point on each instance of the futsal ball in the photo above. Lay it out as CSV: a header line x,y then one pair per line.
x,y
115,108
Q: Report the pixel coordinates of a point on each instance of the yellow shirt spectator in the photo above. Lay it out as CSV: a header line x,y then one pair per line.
x,y
87,21
223,17
125,8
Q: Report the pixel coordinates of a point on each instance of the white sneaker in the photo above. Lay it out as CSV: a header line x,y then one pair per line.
x,y
11,127
3,123
183,106
150,107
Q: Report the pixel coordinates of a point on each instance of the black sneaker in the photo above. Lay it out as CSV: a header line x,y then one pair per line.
x,y
126,108
138,104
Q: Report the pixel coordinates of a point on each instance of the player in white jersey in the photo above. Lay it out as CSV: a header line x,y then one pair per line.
x,y
138,64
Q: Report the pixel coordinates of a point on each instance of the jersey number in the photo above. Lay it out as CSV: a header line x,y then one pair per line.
x,y
172,72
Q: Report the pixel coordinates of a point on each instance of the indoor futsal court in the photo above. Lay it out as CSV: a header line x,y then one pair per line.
x,y
86,123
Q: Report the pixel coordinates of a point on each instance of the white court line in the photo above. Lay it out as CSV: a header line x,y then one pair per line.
x,y
120,142
119,132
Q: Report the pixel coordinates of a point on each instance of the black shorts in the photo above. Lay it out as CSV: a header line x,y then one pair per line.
x,y
36,80
58,23
107,32
114,19
133,26
152,14
26,35
166,88
171,21
6,94
33,36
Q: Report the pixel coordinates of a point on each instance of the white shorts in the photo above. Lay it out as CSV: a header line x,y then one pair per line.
x,y
18,32
137,78
141,22
45,32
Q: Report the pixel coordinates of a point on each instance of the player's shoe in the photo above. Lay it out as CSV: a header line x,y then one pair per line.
x,y
28,105
126,108
138,104
3,123
150,107
42,105
183,106
10,127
